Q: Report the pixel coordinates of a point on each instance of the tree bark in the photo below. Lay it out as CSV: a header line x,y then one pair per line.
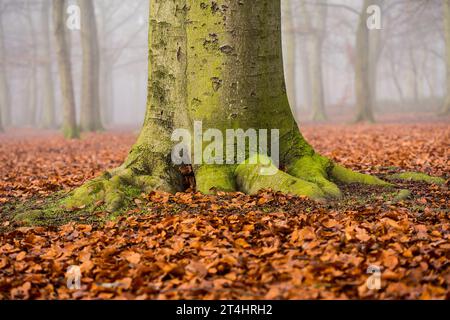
x,y
446,3
362,69
48,117
90,118
70,128
220,63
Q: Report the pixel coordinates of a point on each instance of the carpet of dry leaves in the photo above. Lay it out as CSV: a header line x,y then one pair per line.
x,y
233,246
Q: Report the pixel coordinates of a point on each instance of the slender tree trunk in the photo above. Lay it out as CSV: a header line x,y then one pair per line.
x,y
317,29
446,107
107,99
106,72
219,64
306,76
32,98
65,71
290,54
362,72
413,76
5,100
375,47
90,118
318,97
398,85
48,119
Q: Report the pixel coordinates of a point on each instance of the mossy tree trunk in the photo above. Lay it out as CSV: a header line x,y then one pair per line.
x,y
5,108
446,9
48,117
90,118
218,62
70,128
362,69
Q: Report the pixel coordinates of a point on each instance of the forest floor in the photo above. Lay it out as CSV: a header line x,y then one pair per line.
x,y
191,246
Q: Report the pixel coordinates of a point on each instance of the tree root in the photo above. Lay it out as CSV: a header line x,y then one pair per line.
x,y
417,177
310,176
111,188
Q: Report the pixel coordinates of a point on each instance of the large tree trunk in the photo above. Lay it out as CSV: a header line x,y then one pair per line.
x,y
65,71
362,72
446,107
90,118
219,63
48,116
5,108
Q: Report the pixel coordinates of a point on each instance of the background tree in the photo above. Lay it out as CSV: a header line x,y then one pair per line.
x,y
70,128
90,119
315,20
362,69
446,5
31,110
5,115
290,50
48,116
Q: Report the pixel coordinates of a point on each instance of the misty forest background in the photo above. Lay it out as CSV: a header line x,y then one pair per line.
x,y
406,67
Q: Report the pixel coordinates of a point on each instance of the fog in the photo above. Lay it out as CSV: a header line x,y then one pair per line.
x,y
406,60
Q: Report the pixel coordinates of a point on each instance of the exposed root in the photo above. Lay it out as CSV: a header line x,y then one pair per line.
x,y
417,177
310,176
315,170
344,175
111,189
215,177
252,178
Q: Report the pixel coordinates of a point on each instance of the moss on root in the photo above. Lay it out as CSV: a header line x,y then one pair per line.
x,y
345,175
50,212
114,189
417,177
402,195
309,175
215,177
315,169
259,173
